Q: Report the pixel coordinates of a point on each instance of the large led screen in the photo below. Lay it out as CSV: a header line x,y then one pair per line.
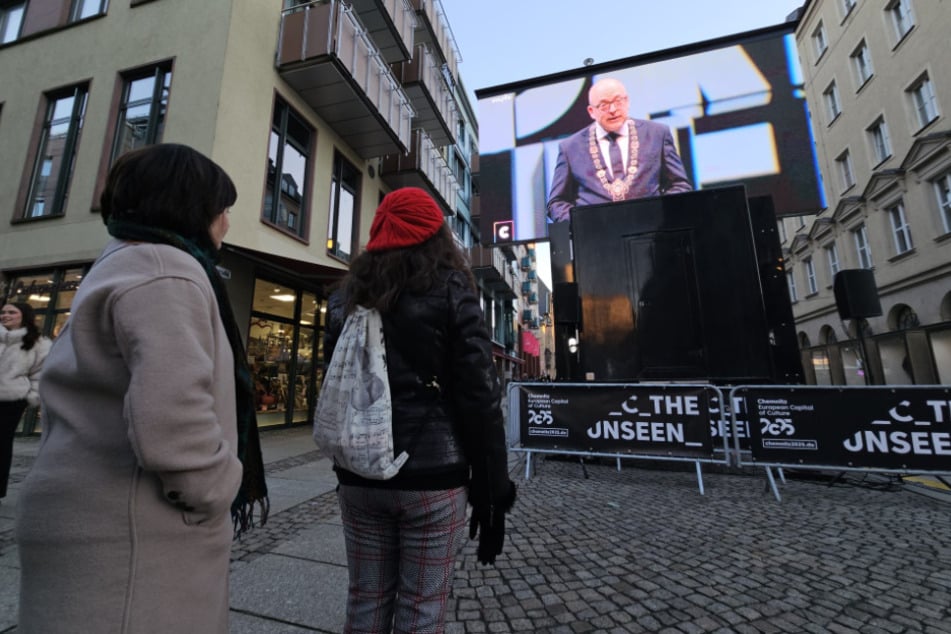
x,y
735,109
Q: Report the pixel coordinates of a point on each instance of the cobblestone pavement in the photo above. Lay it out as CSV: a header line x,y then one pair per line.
x,y
643,551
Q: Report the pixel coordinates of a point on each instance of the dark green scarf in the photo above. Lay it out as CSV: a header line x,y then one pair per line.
x,y
253,487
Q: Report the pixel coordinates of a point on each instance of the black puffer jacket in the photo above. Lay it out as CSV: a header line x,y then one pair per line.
x,y
444,387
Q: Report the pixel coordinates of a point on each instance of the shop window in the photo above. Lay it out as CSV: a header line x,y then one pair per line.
x,y
142,108
285,201
342,227
284,338
56,153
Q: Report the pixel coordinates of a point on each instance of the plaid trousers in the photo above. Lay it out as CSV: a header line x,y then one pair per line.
x,y
401,550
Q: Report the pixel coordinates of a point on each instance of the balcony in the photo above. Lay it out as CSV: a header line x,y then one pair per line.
x,y
432,27
326,55
391,24
422,166
423,81
491,267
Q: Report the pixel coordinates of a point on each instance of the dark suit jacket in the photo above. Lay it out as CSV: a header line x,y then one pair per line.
x,y
659,170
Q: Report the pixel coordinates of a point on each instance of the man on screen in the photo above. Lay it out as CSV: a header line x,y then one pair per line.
x,y
615,158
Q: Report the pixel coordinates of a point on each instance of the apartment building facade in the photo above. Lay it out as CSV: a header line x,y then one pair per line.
x,y
316,109
879,95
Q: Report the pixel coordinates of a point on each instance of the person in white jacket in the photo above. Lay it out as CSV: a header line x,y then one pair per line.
x,y
22,351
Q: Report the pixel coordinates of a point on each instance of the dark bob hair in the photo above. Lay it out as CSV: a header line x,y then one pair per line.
x,y
167,186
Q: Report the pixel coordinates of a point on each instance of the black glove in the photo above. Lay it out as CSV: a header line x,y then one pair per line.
x,y
488,522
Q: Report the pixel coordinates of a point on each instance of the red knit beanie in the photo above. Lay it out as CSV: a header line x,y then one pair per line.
x,y
406,217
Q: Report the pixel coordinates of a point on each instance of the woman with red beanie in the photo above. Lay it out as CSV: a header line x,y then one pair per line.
x,y
403,534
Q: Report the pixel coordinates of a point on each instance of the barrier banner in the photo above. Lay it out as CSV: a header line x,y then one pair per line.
x,y
650,420
888,427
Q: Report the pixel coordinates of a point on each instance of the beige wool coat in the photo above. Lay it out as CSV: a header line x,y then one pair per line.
x,y
123,522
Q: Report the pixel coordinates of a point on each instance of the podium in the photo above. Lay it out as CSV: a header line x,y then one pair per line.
x,y
677,288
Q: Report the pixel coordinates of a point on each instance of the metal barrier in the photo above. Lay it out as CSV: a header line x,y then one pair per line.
x,y
883,429
646,421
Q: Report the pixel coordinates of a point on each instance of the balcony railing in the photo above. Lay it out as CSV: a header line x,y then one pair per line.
x,y
391,24
326,55
423,166
433,28
491,267
429,93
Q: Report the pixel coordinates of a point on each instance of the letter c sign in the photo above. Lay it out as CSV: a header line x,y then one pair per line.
x,y
504,231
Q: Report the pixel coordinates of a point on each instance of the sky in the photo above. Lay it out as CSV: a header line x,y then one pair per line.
x,y
503,41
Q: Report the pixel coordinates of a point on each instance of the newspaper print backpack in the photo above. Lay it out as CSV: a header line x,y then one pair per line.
x,y
353,422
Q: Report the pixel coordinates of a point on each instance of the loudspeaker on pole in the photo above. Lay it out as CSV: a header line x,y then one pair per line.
x,y
856,294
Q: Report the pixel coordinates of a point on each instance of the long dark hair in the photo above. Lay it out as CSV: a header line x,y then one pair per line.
x,y
28,322
168,186
377,278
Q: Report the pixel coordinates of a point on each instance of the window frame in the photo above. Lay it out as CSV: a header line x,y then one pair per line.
x,y
77,7
902,17
820,43
345,176
863,249
811,282
879,140
7,10
942,189
862,64
832,259
80,95
833,102
280,120
846,170
924,102
161,72
901,230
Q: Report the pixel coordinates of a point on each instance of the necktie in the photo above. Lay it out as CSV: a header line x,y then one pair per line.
x,y
614,151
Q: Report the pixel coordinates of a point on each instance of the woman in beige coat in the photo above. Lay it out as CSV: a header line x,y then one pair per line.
x,y
123,522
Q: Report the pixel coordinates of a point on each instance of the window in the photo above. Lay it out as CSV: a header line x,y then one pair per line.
x,y
846,174
862,62
847,6
831,95
878,137
56,152
341,229
819,41
862,250
923,101
832,257
942,188
142,109
902,18
811,276
791,282
83,9
11,20
781,228
285,199
900,229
